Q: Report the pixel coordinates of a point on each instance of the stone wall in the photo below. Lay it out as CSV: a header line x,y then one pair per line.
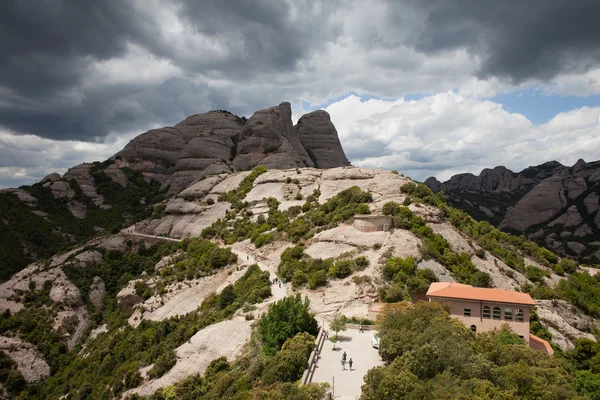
x,y
372,223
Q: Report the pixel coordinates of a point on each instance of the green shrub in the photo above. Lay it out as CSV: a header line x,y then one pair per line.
x,y
317,279
299,278
391,208
284,319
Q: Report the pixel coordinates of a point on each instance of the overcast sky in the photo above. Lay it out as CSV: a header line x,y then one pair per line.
x,y
427,87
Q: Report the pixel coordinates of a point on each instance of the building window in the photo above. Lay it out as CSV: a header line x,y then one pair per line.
x,y
508,314
497,312
473,328
486,312
519,315
467,312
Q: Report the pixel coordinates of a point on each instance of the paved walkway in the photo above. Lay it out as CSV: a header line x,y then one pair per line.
x,y
329,368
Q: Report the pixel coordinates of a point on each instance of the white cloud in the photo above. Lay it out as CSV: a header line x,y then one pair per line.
x,y
25,159
448,133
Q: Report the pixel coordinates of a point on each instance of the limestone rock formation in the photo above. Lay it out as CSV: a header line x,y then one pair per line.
x,y
219,142
320,139
127,297
269,139
30,362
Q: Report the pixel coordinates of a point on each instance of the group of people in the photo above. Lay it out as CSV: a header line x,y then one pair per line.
x,y
350,362
276,281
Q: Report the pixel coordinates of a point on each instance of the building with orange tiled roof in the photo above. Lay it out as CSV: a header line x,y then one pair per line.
x,y
484,309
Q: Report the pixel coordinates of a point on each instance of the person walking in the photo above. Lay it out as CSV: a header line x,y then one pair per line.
x,y
344,356
343,364
360,328
350,362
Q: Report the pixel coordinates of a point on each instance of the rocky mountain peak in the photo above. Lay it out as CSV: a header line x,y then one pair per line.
x,y
220,142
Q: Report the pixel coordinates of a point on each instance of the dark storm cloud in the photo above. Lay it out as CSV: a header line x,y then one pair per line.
x,y
518,40
258,53
48,48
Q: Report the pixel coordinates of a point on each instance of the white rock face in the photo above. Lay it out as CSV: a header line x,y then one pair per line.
x,y
564,324
30,362
194,356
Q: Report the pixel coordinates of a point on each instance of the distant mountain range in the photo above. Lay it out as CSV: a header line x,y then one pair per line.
x,y
552,204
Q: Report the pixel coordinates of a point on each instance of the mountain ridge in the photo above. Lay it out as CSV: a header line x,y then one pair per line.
x,y
552,204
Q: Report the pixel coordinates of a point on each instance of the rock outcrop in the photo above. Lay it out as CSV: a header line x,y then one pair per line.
x,y
30,362
320,139
269,139
540,205
219,142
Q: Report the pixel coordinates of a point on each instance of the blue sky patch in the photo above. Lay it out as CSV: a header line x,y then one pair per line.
x,y
540,108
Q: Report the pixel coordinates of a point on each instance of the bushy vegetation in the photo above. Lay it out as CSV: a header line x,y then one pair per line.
x,y
28,237
507,247
294,224
10,378
434,245
405,279
286,318
270,366
583,291
112,360
424,363
299,268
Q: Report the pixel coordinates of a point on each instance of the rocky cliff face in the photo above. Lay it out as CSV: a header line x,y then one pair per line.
x,y
320,139
219,142
269,139
562,212
556,206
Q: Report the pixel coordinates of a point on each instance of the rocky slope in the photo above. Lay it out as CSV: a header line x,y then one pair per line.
x,y
554,205
77,297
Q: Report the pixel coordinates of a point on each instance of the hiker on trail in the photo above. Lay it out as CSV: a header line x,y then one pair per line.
x,y
343,364
247,258
350,364
344,356
279,284
360,328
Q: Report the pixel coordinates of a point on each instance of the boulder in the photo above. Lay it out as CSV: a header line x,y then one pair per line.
x,y
576,247
127,297
591,203
62,189
583,231
77,209
97,290
23,196
320,139
85,181
541,204
569,219
30,362
53,177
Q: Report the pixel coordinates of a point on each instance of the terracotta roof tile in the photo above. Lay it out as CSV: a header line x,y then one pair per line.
x,y
538,342
459,291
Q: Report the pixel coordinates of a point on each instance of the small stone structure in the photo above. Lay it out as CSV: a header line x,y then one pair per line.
x,y
372,223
